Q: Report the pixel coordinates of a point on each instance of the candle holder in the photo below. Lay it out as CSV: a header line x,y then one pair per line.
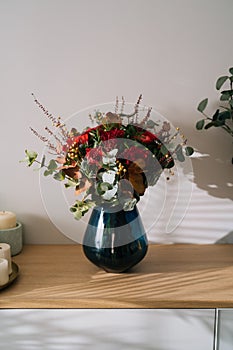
x,y
14,237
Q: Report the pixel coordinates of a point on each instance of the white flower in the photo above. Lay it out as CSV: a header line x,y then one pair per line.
x,y
110,157
109,176
108,195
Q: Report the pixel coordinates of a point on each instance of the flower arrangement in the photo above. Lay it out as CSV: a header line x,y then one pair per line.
x,y
114,161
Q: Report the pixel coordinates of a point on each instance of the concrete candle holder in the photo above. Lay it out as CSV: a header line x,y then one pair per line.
x,y
14,237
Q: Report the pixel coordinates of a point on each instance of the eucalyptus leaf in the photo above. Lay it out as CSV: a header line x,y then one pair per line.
x,y
189,151
48,172
60,176
202,105
42,162
52,165
71,183
179,154
78,214
150,124
231,70
30,157
164,150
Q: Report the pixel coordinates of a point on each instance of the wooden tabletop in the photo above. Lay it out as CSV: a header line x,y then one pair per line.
x,y
170,276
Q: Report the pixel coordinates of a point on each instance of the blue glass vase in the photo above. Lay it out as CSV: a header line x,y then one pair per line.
x,y
115,240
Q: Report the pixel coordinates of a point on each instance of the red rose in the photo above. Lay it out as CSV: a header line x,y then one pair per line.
x,y
94,155
111,134
81,139
136,154
145,136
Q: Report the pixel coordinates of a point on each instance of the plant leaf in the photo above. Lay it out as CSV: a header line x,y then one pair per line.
x,y
221,81
30,157
200,124
179,154
42,162
202,105
209,125
78,214
231,70
224,97
71,183
52,165
47,172
189,151
60,176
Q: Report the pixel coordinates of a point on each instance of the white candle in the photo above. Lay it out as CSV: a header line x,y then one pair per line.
x,y
4,276
5,252
7,220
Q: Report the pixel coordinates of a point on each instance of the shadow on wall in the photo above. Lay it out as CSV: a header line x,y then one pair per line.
x,y
226,239
213,172
39,228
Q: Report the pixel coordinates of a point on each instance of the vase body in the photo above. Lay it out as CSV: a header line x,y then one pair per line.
x,y
115,240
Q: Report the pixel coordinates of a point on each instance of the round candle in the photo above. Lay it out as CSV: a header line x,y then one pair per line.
x,y
4,276
7,220
5,252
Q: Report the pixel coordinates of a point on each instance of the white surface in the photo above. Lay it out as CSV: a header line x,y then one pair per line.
x,y
107,329
226,329
80,53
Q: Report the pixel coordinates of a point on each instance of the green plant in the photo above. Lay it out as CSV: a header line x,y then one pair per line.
x,y
223,116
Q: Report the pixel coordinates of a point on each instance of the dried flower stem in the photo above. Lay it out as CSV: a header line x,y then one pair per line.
x,y
45,111
44,139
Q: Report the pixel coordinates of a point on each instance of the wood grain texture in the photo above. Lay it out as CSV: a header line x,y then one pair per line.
x,y
170,276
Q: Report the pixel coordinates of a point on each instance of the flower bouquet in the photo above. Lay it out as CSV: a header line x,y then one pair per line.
x,y
110,164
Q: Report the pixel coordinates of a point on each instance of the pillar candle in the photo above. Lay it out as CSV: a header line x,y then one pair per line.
x,y
5,252
4,276
7,220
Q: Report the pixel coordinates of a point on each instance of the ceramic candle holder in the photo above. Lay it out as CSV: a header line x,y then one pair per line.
x,y
14,237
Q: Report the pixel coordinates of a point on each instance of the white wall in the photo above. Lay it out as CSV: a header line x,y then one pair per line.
x,y
77,53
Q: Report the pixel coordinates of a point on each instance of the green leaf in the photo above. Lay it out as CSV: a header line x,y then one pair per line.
x,y
47,172
71,183
227,92
216,114
221,81
52,165
189,151
150,124
200,124
42,162
209,125
179,154
202,105
30,157
164,150
78,214
224,97
231,103
60,176
231,70
223,116
73,209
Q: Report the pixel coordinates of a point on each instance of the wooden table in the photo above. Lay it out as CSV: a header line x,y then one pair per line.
x,y
170,276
